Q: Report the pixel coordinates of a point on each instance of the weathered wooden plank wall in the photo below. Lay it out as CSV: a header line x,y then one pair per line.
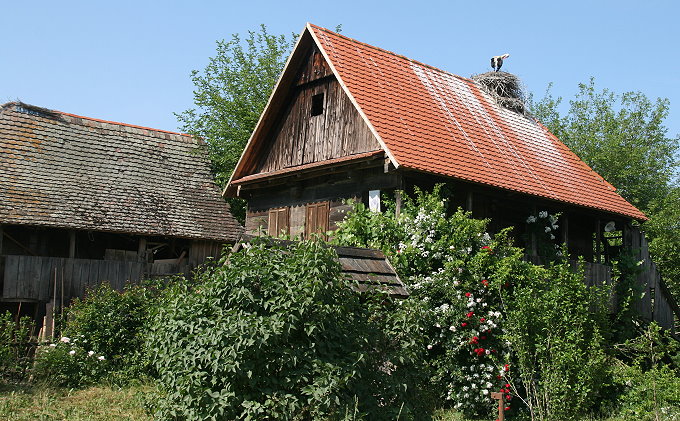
x,y
303,138
33,277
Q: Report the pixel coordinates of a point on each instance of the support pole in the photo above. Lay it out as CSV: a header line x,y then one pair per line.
x,y
71,244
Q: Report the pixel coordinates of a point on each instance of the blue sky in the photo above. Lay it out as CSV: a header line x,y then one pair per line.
x,y
130,61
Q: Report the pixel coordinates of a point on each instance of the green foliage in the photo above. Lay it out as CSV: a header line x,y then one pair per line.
x,y
15,346
664,230
230,94
111,323
70,362
276,332
622,137
455,272
555,326
648,376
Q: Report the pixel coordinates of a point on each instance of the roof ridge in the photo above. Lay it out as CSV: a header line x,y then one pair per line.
x,y
418,62
117,123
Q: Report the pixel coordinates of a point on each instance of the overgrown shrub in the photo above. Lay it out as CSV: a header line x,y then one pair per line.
x,y
554,325
455,272
104,334
69,362
15,346
277,333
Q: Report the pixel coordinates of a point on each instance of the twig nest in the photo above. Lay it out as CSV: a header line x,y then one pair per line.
x,y
505,88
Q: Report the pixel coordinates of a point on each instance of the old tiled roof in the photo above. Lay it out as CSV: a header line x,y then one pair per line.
x,y
433,121
69,171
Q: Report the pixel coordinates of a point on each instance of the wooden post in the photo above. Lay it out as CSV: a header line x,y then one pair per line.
x,y
501,404
468,202
598,242
141,252
71,244
2,235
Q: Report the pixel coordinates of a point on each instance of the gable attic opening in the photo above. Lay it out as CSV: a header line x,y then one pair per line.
x,y
318,123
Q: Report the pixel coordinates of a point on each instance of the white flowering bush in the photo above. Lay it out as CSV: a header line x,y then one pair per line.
x,y
456,273
69,362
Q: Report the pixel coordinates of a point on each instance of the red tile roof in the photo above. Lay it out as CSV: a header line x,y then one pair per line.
x,y
434,121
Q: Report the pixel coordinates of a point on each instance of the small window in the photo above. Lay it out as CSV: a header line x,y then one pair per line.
x,y
317,104
279,222
316,219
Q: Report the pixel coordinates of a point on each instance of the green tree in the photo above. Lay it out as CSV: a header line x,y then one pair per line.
x,y
622,137
230,94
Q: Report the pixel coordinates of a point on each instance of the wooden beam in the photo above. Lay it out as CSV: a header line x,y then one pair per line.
x,y
71,244
1,237
468,202
565,229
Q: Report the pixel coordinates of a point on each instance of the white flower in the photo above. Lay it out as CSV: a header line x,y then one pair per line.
x,y
90,353
53,345
485,392
452,328
531,219
543,214
101,358
429,347
65,340
547,229
487,352
552,237
72,352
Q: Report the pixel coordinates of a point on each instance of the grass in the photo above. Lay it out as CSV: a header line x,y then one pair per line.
x,y
97,403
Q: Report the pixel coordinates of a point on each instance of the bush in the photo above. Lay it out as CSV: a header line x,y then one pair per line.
x,y
105,325
555,325
276,333
111,323
455,272
15,346
69,362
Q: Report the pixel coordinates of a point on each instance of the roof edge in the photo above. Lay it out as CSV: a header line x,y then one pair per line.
x,y
116,123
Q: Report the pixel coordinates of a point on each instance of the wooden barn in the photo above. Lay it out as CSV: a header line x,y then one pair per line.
x,y
85,201
350,120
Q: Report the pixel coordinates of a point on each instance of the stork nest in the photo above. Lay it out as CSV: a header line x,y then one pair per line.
x,y
505,88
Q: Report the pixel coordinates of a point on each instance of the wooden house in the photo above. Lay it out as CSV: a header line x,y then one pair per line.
x,y
350,120
83,201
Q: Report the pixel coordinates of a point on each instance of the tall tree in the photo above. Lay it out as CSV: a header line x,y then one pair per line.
x,y
230,94
622,137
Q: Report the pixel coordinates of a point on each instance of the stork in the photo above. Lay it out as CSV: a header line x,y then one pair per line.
x,y
497,61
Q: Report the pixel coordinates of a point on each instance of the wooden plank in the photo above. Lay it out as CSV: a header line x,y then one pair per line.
x,y
359,252
11,276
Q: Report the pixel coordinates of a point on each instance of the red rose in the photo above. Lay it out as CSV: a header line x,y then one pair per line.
x,y
463,324
507,408
485,282
507,385
482,320
470,314
467,294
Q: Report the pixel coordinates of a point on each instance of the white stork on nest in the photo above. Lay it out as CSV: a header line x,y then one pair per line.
x,y
497,61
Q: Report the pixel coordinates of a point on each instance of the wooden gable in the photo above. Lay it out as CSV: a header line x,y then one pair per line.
x,y
319,123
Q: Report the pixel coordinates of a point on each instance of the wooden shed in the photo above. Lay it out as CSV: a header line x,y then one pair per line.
x,y
83,201
348,120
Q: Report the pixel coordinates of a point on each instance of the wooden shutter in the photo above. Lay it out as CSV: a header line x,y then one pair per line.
x,y
316,219
279,222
